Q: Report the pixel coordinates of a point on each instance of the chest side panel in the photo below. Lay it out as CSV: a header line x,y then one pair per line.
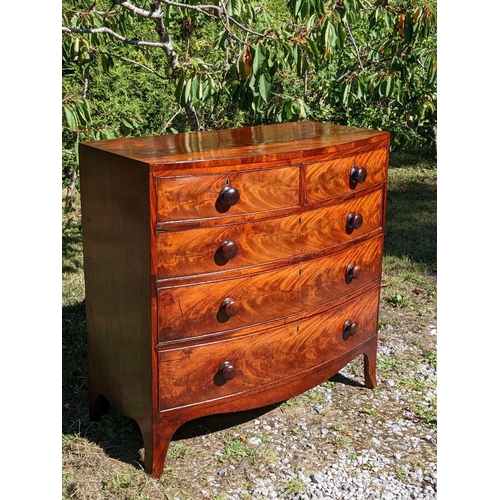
x,y
117,252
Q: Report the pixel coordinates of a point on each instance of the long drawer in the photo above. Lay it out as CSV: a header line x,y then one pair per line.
x,y
206,372
211,249
220,306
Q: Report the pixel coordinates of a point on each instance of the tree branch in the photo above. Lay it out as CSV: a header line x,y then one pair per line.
x,y
138,10
221,12
173,60
355,69
171,120
166,42
355,46
112,33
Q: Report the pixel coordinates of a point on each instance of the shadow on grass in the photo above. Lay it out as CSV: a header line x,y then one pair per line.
x,y
411,215
72,245
342,379
118,436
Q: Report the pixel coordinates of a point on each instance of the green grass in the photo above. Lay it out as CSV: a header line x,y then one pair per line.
x,y
431,357
236,449
387,366
410,246
295,485
410,249
426,412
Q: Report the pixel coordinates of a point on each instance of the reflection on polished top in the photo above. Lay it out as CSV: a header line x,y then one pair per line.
x,y
239,144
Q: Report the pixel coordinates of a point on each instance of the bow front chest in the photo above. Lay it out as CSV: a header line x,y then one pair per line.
x,y
228,270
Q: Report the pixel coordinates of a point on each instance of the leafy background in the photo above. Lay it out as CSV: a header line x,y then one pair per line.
x,y
367,63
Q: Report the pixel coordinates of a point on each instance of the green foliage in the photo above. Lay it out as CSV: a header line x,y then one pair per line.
x,y
431,357
398,300
294,486
369,63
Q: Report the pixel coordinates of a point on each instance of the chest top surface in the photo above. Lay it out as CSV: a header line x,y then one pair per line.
x,y
281,141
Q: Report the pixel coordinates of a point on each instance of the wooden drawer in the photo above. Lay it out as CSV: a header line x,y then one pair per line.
x,y
199,196
201,250
327,179
190,375
192,310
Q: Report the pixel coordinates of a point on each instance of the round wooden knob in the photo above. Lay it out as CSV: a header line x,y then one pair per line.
x,y
351,328
354,221
229,196
230,307
227,370
229,249
353,272
357,175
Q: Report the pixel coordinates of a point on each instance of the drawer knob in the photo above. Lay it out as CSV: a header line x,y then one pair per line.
x,y
357,175
230,307
351,328
354,221
227,371
353,272
229,250
229,196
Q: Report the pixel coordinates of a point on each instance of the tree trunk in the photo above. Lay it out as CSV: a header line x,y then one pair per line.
x,y
69,192
194,124
173,61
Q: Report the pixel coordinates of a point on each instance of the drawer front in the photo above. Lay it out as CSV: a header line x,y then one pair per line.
x,y
220,306
205,250
202,373
327,179
214,196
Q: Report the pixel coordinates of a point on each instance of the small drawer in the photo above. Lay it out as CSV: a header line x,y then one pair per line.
x,y
234,193
213,249
221,306
216,370
327,179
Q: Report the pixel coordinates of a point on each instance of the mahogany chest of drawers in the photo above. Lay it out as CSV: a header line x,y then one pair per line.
x,y
228,270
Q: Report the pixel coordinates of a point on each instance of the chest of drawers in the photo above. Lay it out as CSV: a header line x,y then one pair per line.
x,y
228,270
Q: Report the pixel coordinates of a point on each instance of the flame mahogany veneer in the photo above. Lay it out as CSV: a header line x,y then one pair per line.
x,y
228,270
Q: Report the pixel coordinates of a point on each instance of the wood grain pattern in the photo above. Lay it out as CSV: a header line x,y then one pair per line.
x,y
327,179
243,145
197,197
189,311
174,331
195,251
190,375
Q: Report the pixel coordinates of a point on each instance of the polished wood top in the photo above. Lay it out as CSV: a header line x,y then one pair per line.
x,y
249,143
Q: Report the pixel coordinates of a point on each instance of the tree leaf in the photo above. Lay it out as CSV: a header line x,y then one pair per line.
x,y
179,89
70,117
265,86
408,30
187,91
259,57
195,89
233,7
389,86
